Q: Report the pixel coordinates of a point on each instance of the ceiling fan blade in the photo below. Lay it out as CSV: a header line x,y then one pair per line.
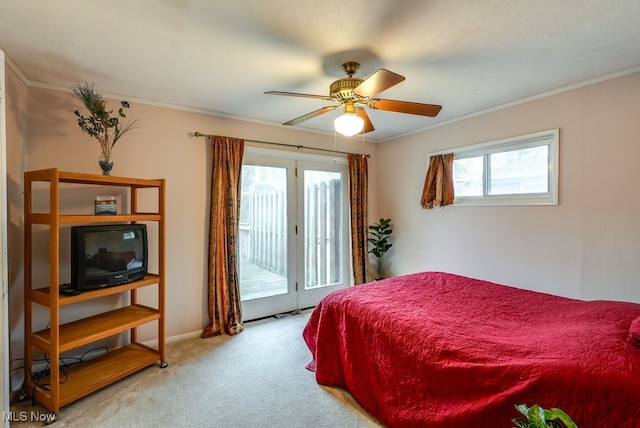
x,y
421,109
311,115
296,94
379,81
367,126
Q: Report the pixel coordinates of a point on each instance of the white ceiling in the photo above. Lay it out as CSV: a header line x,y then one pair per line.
x,y
220,56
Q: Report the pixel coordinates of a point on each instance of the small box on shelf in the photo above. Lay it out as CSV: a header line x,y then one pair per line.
x,y
106,205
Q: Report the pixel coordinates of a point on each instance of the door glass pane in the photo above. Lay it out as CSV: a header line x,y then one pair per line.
x,y
519,171
323,228
263,232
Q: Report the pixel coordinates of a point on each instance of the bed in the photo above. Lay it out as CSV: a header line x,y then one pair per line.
x,y
436,350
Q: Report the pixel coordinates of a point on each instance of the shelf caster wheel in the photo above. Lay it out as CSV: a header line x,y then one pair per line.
x,y
50,419
22,397
163,364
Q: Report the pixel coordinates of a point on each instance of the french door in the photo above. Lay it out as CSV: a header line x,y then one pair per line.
x,y
293,232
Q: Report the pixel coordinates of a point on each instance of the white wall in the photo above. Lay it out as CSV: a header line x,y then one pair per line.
x,y
586,247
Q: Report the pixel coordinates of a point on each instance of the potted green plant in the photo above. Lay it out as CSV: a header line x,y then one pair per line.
x,y
537,417
379,234
104,125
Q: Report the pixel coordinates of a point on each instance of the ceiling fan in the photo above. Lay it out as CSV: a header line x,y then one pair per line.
x,y
353,93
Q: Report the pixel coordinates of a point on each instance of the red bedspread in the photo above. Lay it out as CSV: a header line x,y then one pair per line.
x,y
440,350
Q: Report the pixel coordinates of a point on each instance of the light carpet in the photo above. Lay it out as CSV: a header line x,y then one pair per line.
x,y
254,379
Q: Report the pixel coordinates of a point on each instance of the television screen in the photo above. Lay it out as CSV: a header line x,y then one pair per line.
x,y
106,255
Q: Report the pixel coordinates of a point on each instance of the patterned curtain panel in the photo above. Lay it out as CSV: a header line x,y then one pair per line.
x,y
438,184
223,287
358,185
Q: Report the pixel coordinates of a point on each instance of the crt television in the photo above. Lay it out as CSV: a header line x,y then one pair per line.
x,y
107,255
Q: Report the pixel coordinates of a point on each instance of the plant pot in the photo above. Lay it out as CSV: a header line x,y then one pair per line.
x,y
106,166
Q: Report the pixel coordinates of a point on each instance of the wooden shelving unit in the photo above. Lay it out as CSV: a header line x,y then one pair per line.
x,y
57,390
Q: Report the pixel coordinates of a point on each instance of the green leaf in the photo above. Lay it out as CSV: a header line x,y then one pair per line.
x,y
556,413
537,417
520,423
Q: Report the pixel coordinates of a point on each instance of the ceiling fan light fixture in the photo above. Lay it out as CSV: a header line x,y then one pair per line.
x,y
348,124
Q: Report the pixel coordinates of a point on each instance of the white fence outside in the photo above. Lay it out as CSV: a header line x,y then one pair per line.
x,y
263,239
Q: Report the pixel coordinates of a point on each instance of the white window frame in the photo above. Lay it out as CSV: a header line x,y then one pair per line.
x,y
551,138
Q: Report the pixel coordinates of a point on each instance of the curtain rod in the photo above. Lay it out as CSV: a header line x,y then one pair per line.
x,y
199,134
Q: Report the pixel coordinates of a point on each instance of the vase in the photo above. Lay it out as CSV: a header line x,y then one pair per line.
x,y
106,166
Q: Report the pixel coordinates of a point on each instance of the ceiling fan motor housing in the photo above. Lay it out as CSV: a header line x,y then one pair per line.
x,y
342,89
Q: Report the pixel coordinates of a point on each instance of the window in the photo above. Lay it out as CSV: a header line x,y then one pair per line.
x,y
515,171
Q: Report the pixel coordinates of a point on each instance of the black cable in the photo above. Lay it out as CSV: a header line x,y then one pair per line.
x,y
37,376
64,365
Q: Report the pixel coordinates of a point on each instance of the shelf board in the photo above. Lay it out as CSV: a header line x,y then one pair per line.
x,y
45,218
92,375
88,330
93,179
43,295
